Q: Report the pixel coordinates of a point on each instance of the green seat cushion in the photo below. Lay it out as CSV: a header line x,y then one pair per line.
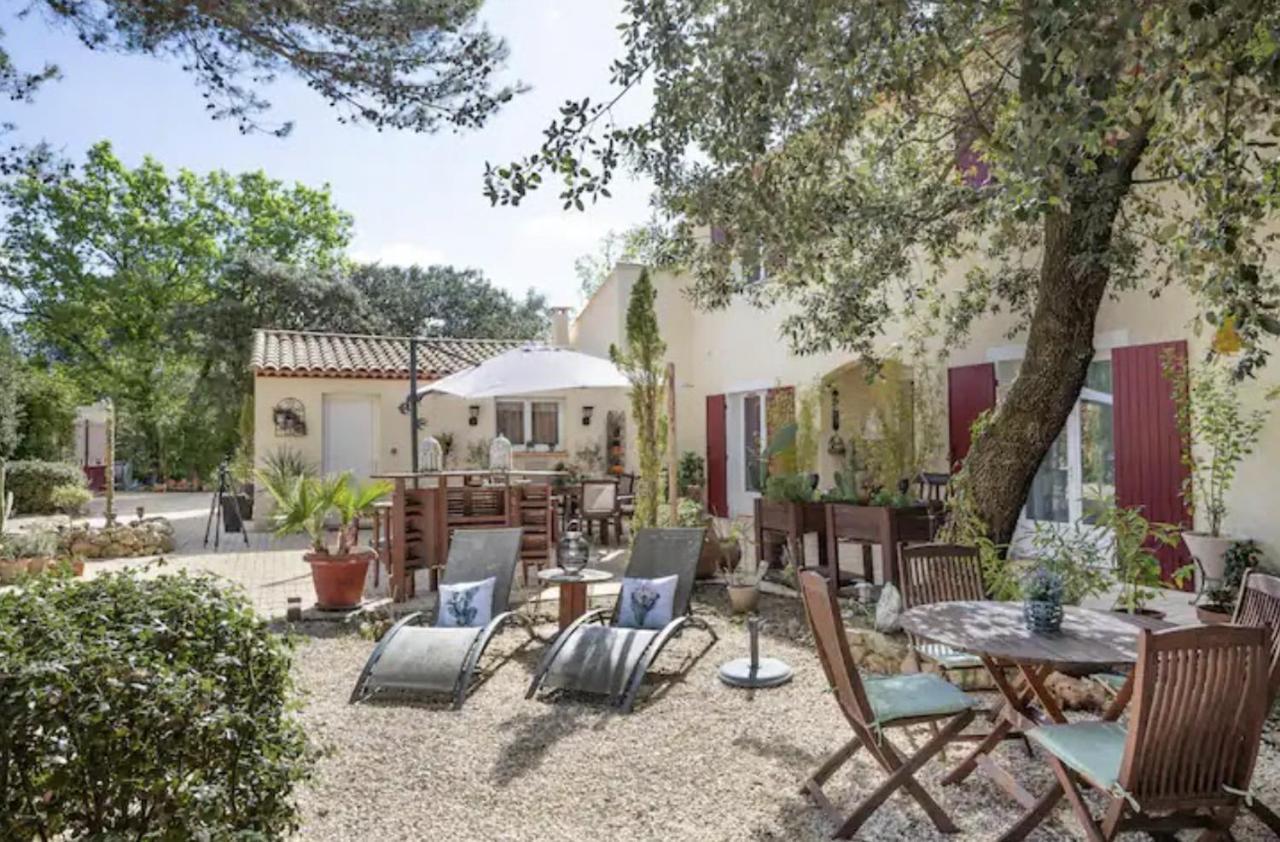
x,y
1094,749
1114,680
948,658
917,694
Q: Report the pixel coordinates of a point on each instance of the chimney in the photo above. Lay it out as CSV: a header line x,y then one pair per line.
x,y
559,327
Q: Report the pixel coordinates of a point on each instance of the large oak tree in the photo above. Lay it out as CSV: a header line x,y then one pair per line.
x,y
1068,150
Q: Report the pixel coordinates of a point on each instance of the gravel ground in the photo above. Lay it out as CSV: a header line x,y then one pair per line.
x,y
696,761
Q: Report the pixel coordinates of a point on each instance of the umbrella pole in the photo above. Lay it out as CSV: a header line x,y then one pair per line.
x,y
413,407
673,484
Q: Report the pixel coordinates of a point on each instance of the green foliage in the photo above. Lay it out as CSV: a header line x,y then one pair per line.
x,y
70,499
281,468
1076,556
10,388
690,472
32,484
689,513
789,488
37,544
778,456
590,457
306,503
642,361
1240,557
1134,543
807,431
419,66
444,301
143,707
1210,416
641,244
49,397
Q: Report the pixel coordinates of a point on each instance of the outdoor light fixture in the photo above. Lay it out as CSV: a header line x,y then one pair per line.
x,y
835,409
430,455
500,454
574,550
474,409
586,415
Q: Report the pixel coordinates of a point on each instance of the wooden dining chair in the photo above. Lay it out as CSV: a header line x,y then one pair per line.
x,y
599,502
1259,605
874,707
1186,757
932,573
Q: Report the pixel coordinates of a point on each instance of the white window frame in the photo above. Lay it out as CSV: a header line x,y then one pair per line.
x,y
526,415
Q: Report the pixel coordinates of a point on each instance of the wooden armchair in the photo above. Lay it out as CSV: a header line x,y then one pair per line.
x,y
1186,758
873,708
1259,605
932,573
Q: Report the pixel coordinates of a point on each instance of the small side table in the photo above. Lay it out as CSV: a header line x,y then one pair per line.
x,y
573,589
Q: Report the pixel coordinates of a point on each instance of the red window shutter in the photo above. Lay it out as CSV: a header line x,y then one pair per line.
x,y
971,391
717,457
1150,472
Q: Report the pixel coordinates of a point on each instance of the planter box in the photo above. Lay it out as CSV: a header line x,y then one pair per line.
x,y
793,521
886,526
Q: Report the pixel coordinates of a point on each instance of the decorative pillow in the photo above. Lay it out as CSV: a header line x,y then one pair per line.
x,y
466,604
647,603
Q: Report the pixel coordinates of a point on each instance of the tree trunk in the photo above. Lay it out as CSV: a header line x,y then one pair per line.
x,y
1074,274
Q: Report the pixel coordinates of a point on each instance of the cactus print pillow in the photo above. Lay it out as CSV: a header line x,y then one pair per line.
x,y
466,604
647,603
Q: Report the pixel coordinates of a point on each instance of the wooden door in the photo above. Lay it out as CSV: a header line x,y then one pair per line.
x,y
717,457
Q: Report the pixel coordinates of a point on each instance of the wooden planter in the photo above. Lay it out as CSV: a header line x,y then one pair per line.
x,y
888,526
791,521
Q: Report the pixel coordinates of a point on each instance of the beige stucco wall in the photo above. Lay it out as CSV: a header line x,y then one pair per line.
x,y
741,348
443,414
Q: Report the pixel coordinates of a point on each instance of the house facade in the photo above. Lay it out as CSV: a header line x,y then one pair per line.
x,y
340,400
1120,442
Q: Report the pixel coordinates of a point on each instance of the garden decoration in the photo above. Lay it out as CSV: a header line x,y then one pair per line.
x,y
754,672
430,455
1042,602
574,550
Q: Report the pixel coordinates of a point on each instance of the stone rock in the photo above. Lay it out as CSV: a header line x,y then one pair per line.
x,y
1077,693
150,536
889,610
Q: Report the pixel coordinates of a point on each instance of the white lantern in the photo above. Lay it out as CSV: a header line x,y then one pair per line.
x,y
500,454
430,455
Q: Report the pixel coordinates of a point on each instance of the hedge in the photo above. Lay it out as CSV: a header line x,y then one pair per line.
x,y
32,484
144,707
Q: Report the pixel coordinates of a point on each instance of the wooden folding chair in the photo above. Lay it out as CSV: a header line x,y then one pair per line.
x,y
1259,605
1186,758
874,707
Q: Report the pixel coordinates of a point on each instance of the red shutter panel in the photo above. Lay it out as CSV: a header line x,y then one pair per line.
x,y
971,391
717,457
1150,473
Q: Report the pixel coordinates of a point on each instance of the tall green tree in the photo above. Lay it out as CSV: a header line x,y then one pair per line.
x,y
1065,150
10,396
642,361
444,301
411,64
48,398
103,265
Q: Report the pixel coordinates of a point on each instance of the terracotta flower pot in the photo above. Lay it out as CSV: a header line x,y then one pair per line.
x,y
339,579
38,565
10,570
1213,615
743,598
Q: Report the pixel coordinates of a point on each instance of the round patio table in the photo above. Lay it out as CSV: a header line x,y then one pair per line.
x,y
573,589
1089,641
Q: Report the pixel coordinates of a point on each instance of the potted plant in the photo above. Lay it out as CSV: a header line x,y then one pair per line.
x,y
1135,541
35,550
743,587
11,567
1219,603
1219,433
1042,601
337,572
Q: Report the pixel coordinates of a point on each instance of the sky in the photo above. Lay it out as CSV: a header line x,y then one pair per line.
x,y
415,198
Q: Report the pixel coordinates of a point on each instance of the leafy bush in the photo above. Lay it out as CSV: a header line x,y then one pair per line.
x,y
789,488
141,707
690,472
70,499
33,483
42,544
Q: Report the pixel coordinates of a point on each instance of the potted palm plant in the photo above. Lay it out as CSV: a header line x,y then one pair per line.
x,y
1210,417
337,571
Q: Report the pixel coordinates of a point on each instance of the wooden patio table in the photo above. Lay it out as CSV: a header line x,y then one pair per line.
x,y
573,590
1089,642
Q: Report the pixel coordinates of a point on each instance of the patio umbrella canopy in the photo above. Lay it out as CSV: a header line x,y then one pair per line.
x,y
529,370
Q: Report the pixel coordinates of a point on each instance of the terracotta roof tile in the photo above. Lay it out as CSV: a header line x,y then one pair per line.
x,y
308,354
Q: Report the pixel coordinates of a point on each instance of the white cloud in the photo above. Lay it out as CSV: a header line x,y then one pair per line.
x,y
399,254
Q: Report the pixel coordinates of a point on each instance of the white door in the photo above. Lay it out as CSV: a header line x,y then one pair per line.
x,y
745,439
350,422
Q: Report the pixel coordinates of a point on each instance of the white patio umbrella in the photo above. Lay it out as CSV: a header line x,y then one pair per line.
x,y
530,370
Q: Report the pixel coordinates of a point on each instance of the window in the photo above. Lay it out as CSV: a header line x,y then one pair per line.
x,y
1078,475
529,423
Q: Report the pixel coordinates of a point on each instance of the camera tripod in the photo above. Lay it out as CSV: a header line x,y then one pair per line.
x,y
216,510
